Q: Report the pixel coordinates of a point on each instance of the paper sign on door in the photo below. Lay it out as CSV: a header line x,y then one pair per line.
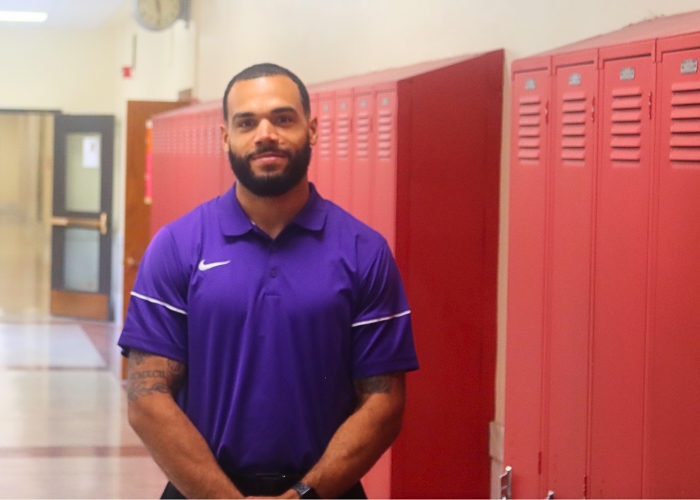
x,y
91,152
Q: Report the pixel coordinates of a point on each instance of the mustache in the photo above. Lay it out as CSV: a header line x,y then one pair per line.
x,y
268,149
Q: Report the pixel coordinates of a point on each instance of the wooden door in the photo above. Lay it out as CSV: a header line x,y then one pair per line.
x,y
137,215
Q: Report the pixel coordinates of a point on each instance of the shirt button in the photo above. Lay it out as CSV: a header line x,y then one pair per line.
x,y
273,272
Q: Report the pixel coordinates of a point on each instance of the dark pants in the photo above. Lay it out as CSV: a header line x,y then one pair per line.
x,y
266,485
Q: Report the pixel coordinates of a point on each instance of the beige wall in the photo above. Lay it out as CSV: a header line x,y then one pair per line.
x,y
54,69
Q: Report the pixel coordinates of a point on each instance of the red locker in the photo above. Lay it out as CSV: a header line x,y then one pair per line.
x,y
673,404
325,148
528,180
568,289
343,136
363,152
622,261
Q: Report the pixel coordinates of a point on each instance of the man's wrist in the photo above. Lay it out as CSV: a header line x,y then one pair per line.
x,y
303,490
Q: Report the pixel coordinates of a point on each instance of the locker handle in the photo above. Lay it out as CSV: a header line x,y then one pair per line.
x,y
546,113
593,109
650,105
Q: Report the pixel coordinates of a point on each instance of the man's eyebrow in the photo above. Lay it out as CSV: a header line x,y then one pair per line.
x,y
284,109
246,114
276,111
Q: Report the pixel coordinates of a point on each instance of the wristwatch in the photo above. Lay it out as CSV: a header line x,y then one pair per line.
x,y
305,491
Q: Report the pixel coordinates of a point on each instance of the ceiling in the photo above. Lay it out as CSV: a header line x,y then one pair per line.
x,y
69,14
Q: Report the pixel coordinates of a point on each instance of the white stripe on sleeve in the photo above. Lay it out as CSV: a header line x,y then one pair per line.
x,y
159,302
385,318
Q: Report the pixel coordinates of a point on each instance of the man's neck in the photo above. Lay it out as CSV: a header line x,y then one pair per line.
x,y
272,214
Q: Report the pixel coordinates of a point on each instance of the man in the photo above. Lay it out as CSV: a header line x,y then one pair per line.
x,y
268,333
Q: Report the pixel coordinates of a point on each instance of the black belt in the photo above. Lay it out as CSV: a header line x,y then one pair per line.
x,y
266,485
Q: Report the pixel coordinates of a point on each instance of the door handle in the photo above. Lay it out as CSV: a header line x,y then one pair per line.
x,y
86,222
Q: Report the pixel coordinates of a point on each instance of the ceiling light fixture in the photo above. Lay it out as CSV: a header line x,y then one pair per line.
x,y
16,16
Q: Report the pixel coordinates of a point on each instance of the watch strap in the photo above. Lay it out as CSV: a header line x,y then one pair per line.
x,y
305,491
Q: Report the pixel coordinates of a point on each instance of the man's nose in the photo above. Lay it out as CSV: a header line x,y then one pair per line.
x,y
266,132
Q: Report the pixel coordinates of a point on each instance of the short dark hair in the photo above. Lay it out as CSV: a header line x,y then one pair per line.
x,y
268,69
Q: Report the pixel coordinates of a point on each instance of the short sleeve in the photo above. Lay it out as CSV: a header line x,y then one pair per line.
x,y
156,320
382,331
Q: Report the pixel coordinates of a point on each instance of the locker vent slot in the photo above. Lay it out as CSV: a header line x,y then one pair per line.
x,y
573,128
685,124
385,129
362,134
626,131
343,136
529,129
324,136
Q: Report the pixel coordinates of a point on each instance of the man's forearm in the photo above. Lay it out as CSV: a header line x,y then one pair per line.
x,y
175,443
360,441
181,452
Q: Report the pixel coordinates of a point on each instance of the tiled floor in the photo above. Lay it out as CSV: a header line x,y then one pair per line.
x,y
63,428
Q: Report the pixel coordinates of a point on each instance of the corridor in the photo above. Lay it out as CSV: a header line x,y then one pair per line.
x,y
63,426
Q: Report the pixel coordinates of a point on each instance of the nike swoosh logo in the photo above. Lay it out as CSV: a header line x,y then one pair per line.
x,y
206,267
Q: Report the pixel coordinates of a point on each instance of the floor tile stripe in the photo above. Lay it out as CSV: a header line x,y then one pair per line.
x,y
74,451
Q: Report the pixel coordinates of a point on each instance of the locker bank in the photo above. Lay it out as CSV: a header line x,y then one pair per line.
x,y
604,294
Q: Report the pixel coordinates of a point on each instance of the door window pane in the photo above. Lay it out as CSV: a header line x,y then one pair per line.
x,y
83,172
82,260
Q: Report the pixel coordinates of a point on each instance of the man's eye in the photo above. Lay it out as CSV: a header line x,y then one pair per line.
x,y
245,124
284,120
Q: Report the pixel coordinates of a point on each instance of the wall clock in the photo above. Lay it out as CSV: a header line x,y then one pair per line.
x,y
158,15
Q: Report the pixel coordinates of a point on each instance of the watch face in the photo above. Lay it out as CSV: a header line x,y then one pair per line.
x,y
157,14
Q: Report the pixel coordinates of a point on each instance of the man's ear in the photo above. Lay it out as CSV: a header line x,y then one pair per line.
x,y
313,130
224,138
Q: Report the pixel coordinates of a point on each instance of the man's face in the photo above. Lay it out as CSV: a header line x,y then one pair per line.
x,y
268,138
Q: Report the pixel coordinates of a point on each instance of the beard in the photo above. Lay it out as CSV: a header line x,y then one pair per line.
x,y
271,185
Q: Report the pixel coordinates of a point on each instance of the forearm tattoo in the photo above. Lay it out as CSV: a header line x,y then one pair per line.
x,y
144,382
374,385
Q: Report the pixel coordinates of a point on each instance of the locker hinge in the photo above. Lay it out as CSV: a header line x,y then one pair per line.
x,y
507,484
593,109
585,486
650,106
539,463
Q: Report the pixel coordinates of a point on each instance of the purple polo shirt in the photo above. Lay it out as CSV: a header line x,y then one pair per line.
x,y
273,332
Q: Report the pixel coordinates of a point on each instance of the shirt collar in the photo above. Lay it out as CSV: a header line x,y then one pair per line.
x,y
234,221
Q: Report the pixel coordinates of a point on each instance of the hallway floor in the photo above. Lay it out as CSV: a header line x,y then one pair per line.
x,y
63,427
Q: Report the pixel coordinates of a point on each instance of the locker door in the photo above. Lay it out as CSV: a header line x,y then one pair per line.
x,y
673,398
569,274
621,276
384,189
342,165
363,155
313,164
326,146
528,180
